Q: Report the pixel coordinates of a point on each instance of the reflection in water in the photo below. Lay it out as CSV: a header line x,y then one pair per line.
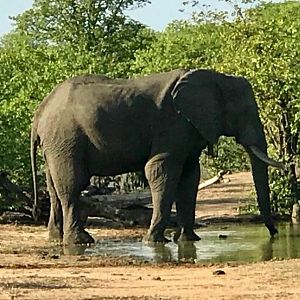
x,y
161,252
244,243
267,249
187,251
285,245
74,249
289,241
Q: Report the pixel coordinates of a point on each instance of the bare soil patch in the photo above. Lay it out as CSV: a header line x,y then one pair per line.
x,y
227,197
30,268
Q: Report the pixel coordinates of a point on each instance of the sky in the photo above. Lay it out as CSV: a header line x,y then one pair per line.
x,y
156,15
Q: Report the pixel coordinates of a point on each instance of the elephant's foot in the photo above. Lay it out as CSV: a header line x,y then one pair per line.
x,y
77,236
55,234
155,237
183,236
272,229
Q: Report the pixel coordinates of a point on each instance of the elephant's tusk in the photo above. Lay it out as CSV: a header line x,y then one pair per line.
x,y
262,156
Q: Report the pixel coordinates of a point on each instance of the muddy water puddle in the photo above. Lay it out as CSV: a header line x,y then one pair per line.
x,y
235,243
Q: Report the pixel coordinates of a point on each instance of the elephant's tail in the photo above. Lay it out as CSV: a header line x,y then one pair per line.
x,y
34,142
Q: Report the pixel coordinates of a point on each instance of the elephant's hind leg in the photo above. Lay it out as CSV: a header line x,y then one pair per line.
x,y
55,224
186,202
69,179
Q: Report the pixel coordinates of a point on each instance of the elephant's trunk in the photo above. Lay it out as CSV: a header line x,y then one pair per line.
x,y
259,161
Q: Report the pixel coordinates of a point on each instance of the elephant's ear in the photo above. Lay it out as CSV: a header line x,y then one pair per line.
x,y
196,97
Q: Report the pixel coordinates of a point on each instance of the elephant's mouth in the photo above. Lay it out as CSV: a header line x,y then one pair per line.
x,y
263,157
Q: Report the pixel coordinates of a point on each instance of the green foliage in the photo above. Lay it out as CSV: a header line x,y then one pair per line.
x,y
229,157
181,45
282,194
97,31
19,87
87,23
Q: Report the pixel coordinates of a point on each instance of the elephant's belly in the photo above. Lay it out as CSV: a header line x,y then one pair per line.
x,y
109,162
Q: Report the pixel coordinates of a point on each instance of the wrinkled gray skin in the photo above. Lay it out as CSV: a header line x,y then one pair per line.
x,y
92,125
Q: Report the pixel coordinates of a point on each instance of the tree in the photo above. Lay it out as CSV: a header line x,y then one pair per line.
x,y
98,27
182,44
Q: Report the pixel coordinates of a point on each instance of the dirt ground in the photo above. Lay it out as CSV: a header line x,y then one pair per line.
x,y
227,197
30,268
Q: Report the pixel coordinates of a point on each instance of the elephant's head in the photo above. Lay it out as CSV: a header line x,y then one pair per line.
x,y
217,104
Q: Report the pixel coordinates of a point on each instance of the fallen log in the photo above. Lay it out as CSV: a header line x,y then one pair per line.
x,y
13,194
213,180
129,209
134,209
14,217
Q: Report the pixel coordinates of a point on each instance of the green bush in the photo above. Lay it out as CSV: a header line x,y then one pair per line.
x,y
230,156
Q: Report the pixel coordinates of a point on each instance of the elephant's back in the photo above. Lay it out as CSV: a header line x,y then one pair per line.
x,y
54,120
55,101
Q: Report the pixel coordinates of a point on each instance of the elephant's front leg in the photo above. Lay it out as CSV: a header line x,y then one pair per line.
x,y
186,201
163,175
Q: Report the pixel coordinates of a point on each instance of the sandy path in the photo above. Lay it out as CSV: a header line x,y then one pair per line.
x,y
272,280
226,197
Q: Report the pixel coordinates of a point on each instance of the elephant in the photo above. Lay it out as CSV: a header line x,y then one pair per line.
x,y
160,123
